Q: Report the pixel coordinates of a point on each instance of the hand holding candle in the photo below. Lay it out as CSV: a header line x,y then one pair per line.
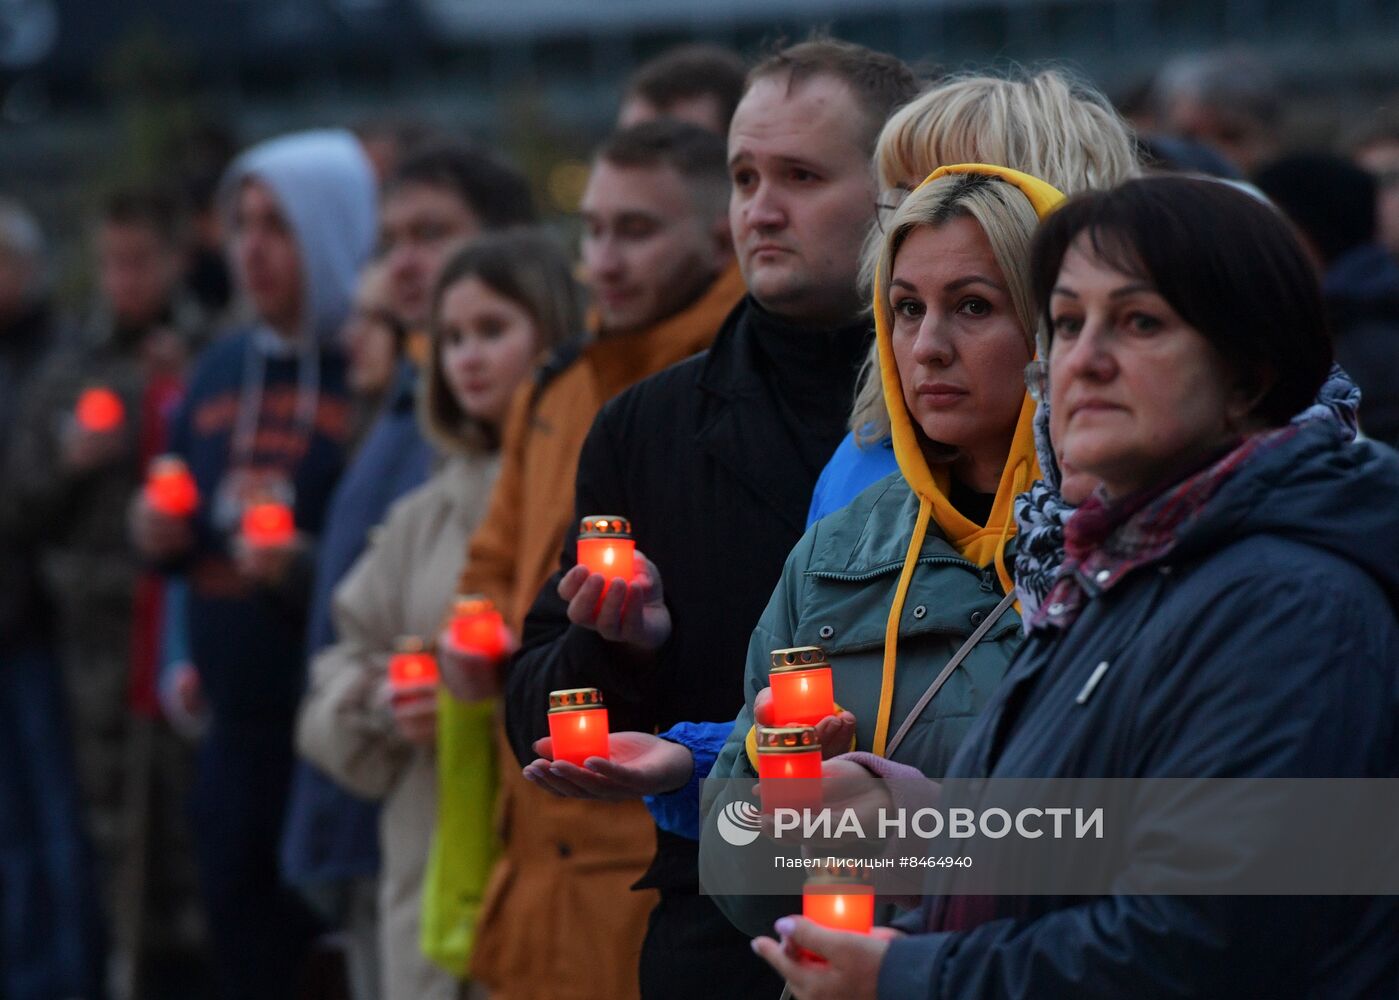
x,y
637,764
412,669
170,489
267,543
847,970
91,438
620,610
835,733
100,411
413,690
577,724
268,524
477,627
606,547
471,648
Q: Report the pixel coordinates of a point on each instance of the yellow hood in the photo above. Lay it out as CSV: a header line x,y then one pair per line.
x,y
981,544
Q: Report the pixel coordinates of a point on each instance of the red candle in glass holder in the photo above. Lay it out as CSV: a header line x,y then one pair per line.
x,y
412,668
100,410
170,489
477,627
789,768
605,546
835,897
578,724
802,694
268,524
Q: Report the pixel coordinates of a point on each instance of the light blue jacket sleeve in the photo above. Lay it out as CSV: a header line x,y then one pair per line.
x,y
678,812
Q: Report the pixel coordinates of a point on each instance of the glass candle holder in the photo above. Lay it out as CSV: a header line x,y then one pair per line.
x,y
578,724
802,693
835,897
477,627
605,546
170,489
268,524
412,669
789,768
100,410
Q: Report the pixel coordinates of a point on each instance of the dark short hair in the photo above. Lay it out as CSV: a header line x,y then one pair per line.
x,y
687,72
146,207
1225,261
498,194
1329,198
695,153
880,82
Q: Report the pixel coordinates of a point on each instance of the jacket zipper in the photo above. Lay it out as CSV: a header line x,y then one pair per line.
x,y
892,567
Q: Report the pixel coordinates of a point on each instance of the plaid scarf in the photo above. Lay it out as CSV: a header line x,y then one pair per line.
x,y
1103,541
1042,513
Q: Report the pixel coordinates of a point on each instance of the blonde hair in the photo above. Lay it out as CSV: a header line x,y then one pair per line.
x,y
1045,124
1003,213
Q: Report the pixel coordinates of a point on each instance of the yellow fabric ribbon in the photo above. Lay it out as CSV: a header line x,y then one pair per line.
x,y
980,544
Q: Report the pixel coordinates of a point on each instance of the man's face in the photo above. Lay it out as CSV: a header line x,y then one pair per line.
x,y
266,258
803,197
419,225
136,270
648,248
702,110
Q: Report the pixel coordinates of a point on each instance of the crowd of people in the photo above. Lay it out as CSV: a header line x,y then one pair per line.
x,y
1065,438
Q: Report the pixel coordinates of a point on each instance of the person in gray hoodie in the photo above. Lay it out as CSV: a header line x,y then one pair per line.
x,y
265,418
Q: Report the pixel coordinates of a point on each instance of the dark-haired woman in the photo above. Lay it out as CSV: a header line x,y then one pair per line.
x,y
1226,609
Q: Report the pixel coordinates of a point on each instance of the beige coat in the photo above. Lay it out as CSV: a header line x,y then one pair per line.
x,y
402,585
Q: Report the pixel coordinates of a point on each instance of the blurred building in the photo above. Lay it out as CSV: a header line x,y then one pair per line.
x,y
82,78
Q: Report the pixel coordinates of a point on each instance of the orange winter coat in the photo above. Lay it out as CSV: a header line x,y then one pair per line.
x,y
560,920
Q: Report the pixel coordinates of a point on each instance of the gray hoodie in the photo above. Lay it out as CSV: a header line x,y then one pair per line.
x,y
326,187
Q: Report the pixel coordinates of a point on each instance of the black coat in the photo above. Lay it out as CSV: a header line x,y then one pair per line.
x,y
1265,645
702,461
715,472
1362,300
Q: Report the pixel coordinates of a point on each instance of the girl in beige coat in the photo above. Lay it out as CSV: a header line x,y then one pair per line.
x,y
500,304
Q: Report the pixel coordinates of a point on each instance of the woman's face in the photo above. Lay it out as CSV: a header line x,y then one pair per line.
x,y
1137,395
489,344
960,348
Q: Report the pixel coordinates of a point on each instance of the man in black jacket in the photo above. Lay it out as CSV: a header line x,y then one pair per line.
x,y
714,461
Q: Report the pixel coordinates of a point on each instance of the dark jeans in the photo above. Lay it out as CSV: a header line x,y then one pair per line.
x,y
259,931
692,952
51,937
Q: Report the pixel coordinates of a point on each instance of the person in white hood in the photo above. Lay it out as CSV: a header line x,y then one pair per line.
x,y
265,419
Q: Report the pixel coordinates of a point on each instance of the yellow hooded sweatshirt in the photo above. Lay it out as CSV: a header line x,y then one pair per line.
x,y
980,544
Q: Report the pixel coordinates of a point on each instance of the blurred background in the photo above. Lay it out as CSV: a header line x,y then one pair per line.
x,y
100,93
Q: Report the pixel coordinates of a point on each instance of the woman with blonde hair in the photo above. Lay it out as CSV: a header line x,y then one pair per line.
x,y
500,305
1045,124
914,574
